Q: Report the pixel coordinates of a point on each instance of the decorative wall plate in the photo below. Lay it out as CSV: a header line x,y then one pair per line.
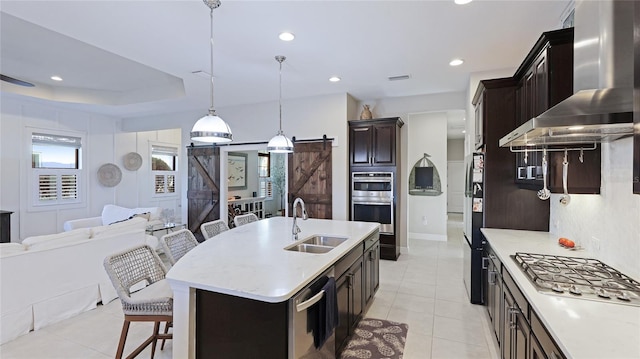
x,y
132,161
109,175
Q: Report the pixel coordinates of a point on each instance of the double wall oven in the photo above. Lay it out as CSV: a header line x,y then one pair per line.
x,y
372,199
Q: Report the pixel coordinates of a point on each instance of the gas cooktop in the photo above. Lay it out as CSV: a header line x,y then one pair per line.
x,y
579,278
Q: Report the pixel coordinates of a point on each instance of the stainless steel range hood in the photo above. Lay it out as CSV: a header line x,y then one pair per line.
x,y
601,109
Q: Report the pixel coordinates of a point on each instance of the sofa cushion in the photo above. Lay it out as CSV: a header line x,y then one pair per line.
x,y
159,289
112,213
11,248
136,223
56,240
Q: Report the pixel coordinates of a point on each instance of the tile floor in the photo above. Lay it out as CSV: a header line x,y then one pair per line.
x,y
423,289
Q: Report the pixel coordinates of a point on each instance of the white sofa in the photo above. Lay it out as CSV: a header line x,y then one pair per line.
x,y
112,214
49,278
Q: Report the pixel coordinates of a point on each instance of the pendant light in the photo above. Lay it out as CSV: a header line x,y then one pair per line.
x,y
280,143
211,128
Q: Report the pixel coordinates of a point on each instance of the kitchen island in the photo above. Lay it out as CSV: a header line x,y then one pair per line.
x,y
250,267
581,328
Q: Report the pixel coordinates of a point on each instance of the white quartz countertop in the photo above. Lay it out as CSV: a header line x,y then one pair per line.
x,y
582,328
250,261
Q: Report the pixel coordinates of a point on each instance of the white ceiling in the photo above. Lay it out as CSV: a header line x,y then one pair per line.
x,y
135,58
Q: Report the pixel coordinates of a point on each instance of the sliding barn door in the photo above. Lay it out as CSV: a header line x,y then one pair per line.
x,y
203,192
310,178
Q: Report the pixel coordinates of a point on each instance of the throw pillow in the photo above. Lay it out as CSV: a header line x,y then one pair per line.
x,y
112,213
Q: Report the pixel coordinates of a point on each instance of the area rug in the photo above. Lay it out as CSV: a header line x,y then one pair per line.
x,y
377,339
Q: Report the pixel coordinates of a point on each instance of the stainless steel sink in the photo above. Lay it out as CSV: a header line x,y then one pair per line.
x,y
309,248
329,241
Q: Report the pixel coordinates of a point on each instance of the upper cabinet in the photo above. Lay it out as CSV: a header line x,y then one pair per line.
x,y
545,78
373,142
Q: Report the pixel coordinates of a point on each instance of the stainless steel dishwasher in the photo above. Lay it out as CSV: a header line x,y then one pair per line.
x,y
301,323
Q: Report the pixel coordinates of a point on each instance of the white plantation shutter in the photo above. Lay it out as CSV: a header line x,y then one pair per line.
x,y
171,184
47,188
160,184
69,186
266,187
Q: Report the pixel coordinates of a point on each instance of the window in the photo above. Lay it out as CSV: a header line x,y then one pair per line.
x,y
164,166
55,168
264,172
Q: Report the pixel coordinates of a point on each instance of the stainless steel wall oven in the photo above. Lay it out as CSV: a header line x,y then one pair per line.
x,y
372,199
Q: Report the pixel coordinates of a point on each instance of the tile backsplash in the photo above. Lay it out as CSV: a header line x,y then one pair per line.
x,y
607,224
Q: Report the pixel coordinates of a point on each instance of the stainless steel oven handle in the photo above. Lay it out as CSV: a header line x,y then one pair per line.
x,y
373,203
309,302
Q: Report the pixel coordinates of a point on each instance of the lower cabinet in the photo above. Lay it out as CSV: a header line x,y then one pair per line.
x,y
371,269
520,333
494,293
350,302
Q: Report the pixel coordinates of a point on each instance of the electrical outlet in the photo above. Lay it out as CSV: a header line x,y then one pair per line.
x,y
424,220
595,244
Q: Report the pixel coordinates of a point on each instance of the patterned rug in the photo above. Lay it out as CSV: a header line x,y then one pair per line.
x,y
377,339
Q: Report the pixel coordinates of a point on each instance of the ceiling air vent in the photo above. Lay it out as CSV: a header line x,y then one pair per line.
x,y
398,78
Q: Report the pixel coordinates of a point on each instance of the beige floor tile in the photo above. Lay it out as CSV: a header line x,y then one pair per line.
x,y
419,289
463,331
419,323
45,345
447,349
414,303
417,346
459,310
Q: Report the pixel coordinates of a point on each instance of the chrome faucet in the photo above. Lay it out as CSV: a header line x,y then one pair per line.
x,y
295,229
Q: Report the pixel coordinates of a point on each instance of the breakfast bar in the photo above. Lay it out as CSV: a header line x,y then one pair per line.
x,y
258,267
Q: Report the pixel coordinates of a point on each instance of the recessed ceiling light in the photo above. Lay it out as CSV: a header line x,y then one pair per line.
x,y
464,131
56,78
286,36
334,79
456,62
462,2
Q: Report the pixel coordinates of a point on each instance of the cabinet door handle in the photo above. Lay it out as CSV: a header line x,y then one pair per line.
x,y
513,317
493,276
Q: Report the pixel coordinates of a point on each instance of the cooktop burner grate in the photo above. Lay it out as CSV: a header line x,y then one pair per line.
x,y
579,277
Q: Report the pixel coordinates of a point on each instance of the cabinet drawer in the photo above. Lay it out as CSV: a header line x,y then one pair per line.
x,y
371,241
345,262
516,293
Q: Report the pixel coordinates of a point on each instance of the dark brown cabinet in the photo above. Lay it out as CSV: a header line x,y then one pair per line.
x,y
372,142
494,292
371,269
349,289
374,146
506,205
545,78
521,334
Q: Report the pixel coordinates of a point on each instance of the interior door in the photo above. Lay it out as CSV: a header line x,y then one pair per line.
x,y
203,192
310,178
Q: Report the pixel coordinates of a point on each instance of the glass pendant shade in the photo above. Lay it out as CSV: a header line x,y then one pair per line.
x,y
280,144
211,128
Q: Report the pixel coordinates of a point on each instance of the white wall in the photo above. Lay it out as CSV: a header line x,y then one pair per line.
x,y
304,118
427,215
105,143
613,217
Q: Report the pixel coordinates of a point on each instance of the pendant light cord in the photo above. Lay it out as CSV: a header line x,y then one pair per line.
x,y
280,60
212,111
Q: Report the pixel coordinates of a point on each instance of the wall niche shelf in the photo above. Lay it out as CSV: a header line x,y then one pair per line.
x,y
424,179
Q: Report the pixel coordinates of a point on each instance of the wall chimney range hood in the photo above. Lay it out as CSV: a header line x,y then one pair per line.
x,y
601,109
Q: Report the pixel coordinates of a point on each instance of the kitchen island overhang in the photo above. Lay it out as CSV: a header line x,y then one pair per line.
x,y
251,262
